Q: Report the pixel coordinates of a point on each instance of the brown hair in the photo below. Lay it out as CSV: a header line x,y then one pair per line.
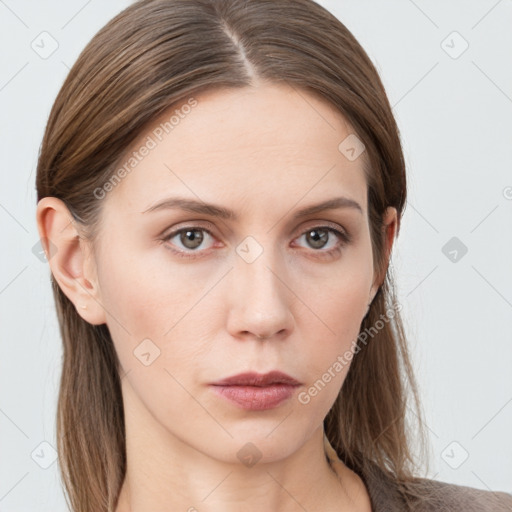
x,y
151,56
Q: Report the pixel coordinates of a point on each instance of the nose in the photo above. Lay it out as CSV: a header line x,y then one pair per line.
x,y
259,299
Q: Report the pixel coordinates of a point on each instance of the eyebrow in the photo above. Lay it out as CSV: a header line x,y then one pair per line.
x,y
191,205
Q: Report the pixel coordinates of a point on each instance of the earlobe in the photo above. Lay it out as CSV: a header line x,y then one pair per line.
x,y
70,258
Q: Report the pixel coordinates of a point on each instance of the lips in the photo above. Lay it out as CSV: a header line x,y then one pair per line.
x,y
256,392
256,379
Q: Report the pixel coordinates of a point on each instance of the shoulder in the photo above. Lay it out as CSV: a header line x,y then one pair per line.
x,y
433,495
426,495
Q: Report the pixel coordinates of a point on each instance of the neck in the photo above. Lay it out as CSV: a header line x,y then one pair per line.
x,y
166,473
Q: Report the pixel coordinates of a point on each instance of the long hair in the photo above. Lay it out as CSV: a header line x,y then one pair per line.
x,y
156,54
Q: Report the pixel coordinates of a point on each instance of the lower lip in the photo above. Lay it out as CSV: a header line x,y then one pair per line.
x,y
256,398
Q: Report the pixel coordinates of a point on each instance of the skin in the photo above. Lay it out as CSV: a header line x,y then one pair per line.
x,y
264,152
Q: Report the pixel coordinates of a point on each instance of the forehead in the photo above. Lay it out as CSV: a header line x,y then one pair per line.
x,y
266,144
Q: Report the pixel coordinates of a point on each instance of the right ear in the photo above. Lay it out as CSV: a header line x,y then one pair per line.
x,y
71,258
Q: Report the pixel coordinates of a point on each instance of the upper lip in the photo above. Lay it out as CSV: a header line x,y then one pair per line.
x,y
258,379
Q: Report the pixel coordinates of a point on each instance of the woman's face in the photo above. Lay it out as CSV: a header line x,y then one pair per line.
x,y
185,311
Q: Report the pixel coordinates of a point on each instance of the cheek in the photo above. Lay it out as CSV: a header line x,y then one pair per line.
x,y
157,312
337,305
144,292
153,322
330,334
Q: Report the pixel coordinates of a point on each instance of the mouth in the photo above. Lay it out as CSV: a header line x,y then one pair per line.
x,y
257,392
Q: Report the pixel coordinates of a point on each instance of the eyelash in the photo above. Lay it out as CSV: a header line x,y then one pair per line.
x,y
344,237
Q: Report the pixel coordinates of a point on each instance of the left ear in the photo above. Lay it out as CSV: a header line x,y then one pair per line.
x,y
390,224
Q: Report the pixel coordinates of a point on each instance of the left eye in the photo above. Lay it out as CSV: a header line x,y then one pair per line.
x,y
318,237
193,236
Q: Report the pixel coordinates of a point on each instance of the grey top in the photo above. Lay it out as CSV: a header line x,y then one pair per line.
x,y
424,495
436,496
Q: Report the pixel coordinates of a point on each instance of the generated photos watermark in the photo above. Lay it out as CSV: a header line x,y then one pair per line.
x,y
150,143
344,359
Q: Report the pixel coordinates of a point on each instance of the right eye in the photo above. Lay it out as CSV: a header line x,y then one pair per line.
x,y
191,237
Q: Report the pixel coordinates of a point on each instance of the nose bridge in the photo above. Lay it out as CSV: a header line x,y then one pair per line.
x,y
257,268
260,301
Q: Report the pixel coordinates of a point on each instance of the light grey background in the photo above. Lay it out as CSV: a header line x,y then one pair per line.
x,y
454,110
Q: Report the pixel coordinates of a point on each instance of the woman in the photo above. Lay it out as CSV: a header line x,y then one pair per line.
x,y
219,188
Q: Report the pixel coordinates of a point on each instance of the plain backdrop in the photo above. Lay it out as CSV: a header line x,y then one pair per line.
x,y
446,68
